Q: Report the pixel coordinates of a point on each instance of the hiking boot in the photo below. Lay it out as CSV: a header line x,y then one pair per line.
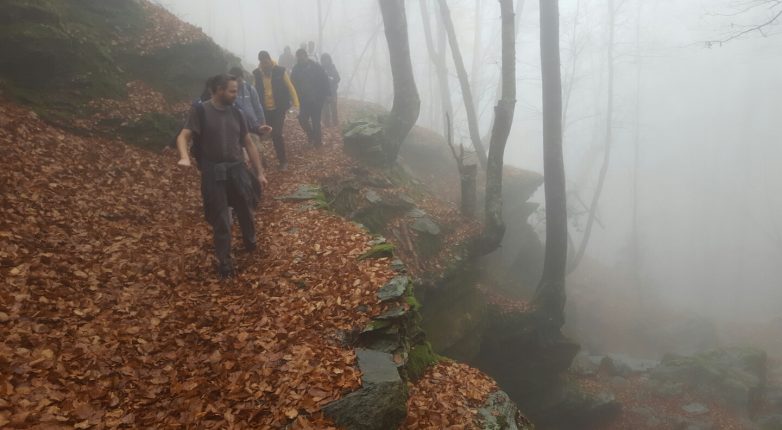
x,y
225,272
225,275
250,247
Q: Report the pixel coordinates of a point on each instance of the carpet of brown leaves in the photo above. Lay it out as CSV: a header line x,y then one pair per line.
x,y
448,397
637,394
111,316
141,100
165,30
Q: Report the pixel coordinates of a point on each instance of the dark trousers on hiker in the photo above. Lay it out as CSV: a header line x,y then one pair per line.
x,y
221,227
225,186
276,120
309,118
330,113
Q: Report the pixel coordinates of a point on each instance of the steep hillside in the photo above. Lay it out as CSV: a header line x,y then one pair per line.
x,y
113,67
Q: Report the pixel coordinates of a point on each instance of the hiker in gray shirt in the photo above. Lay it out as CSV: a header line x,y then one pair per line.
x,y
219,133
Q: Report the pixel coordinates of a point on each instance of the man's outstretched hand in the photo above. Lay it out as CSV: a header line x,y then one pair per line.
x,y
184,162
262,180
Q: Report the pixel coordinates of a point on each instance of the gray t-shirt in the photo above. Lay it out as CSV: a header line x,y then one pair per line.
x,y
223,135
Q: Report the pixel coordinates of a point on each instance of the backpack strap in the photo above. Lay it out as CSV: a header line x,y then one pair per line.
x,y
201,112
197,148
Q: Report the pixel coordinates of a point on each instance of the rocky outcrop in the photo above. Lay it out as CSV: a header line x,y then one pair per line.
x,y
735,377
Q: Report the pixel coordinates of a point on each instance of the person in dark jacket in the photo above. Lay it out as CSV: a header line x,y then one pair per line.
x,y
287,59
312,85
330,113
277,96
219,129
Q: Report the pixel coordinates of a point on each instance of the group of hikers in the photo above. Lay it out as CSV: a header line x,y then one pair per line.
x,y
224,128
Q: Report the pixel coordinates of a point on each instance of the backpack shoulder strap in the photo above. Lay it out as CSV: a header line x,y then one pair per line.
x,y
201,112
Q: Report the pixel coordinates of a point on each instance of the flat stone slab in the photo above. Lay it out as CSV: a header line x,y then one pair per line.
x,y
394,289
394,313
376,367
695,408
304,192
398,266
416,213
372,197
426,225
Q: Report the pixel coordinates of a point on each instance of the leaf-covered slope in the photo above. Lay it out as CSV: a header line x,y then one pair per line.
x,y
111,315
58,56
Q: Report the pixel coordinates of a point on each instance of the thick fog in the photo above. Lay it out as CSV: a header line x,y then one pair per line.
x,y
706,118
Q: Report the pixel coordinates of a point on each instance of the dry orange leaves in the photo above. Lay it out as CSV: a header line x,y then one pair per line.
x,y
110,313
111,316
448,397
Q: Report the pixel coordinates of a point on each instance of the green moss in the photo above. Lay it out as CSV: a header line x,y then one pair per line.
x,y
421,357
413,302
379,251
375,325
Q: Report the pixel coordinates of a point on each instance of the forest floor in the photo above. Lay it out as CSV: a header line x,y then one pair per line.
x,y
111,315
642,409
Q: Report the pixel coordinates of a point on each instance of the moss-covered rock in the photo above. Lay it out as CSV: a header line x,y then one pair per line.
x,y
421,357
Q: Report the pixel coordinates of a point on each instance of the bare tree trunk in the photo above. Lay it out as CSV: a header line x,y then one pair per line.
x,y
571,79
464,81
517,24
609,134
407,104
437,55
468,175
637,154
503,120
476,51
550,295
320,28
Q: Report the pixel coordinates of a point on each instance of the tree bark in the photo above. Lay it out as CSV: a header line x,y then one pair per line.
x,y
517,24
437,56
635,245
503,120
609,134
464,82
476,50
468,175
407,104
550,294
320,29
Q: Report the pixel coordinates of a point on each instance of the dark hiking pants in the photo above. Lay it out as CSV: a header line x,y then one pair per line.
x,y
309,118
224,188
276,119
330,113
